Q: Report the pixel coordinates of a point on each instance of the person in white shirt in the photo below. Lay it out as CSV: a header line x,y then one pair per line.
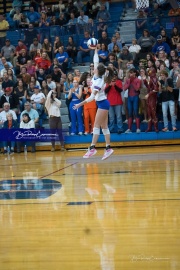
x,y
134,48
26,123
3,114
53,105
51,84
37,100
101,76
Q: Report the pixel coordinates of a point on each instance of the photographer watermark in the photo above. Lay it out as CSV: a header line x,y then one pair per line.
x,y
148,258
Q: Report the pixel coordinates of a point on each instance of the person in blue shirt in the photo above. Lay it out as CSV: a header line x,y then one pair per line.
x,y
103,53
84,50
160,45
33,16
62,57
114,42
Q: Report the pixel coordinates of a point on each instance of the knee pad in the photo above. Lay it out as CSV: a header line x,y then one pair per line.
x,y
105,131
96,130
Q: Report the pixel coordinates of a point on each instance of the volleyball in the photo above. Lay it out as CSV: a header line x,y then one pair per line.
x,y
92,42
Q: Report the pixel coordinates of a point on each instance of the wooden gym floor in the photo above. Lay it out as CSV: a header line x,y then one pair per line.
x,y
59,211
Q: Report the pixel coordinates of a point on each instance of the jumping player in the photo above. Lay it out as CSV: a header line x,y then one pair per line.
x,y
100,78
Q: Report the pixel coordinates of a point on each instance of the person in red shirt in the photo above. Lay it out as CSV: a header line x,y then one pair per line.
x,y
43,62
133,84
90,109
20,46
113,91
151,97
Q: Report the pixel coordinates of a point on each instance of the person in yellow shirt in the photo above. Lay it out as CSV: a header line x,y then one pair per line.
x,y
4,26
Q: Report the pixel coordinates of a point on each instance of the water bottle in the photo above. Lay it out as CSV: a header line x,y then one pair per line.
x,y
8,150
25,150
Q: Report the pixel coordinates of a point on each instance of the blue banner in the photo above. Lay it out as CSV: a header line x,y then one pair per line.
x,y
38,135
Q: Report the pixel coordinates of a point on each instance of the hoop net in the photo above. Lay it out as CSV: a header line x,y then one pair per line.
x,y
141,4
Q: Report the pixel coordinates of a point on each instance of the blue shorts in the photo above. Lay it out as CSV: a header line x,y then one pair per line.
x,y
103,104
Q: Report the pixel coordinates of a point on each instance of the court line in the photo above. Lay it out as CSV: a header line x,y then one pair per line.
x,y
119,201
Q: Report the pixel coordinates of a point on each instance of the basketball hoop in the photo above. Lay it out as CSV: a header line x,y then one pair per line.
x,y
142,4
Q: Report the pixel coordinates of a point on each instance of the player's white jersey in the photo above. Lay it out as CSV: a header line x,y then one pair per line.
x,y
99,86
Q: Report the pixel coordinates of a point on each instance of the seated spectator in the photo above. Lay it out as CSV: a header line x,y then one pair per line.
x,y
54,63
178,49
163,57
24,21
21,92
88,8
175,37
42,7
43,62
11,98
84,50
20,47
26,123
30,91
10,123
51,84
60,7
47,47
33,16
7,83
44,23
12,77
165,37
57,75
156,11
4,62
34,4
71,26
30,35
174,12
5,111
146,41
104,39
134,49
172,56
41,76
113,42
36,45
35,81
125,59
103,14
17,17
155,26
141,22
5,70
113,60
71,9
79,5
62,57
44,88
82,20
90,27
95,9
22,60
61,21
71,48
26,77
57,43
101,27
160,45
116,51
37,56
103,53
8,51
38,100
33,114
119,39
31,70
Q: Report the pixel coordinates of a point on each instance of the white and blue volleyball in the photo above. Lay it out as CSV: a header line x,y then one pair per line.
x,y
92,42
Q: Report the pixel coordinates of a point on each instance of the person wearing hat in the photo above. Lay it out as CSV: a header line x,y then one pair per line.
x,y
4,25
167,96
113,91
11,98
160,45
37,100
8,51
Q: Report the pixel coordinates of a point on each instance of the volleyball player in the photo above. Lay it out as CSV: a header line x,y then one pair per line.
x,y
101,76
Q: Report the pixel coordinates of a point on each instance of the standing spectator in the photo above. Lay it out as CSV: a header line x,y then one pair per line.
x,y
4,26
90,109
143,92
84,50
53,105
167,97
68,84
8,50
133,85
113,92
75,95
